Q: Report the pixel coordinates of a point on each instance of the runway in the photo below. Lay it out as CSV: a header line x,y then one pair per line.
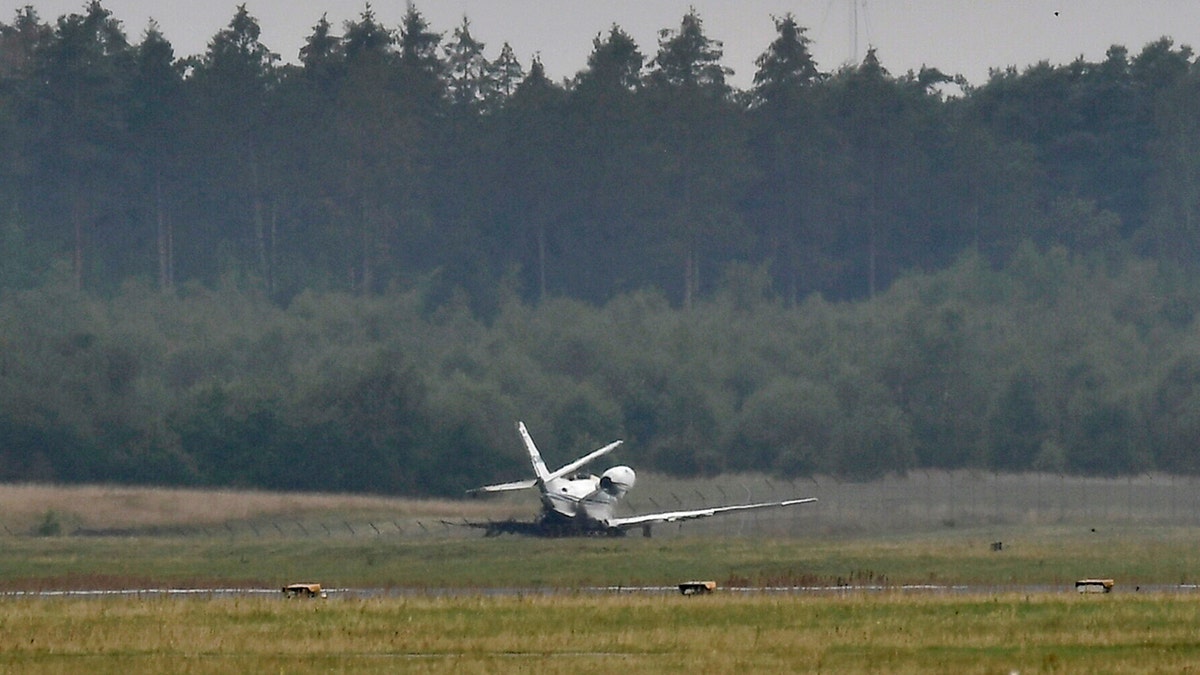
x,y
366,593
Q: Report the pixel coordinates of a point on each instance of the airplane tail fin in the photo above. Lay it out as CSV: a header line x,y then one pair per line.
x,y
543,474
539,467
535,457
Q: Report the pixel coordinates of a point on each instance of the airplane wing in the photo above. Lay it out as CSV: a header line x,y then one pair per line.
x,y
505,487
674,516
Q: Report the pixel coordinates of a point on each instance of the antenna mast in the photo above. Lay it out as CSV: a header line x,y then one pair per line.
x,y
858,23
854,32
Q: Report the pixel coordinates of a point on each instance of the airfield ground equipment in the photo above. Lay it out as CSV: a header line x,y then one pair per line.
x,y
697,587
1094,585
306,590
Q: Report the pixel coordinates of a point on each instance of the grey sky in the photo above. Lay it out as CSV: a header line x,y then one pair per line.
x,y
958,36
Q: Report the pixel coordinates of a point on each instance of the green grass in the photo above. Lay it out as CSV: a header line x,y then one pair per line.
x,y
993,630
890,632
1030,556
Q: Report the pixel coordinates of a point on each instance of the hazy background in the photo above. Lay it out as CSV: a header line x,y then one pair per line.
x,y
956,36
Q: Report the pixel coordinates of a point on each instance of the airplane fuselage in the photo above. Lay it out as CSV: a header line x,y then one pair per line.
x,y
586,498
583,504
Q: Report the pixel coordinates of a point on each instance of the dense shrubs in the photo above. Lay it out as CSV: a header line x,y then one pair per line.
x,y
1050,364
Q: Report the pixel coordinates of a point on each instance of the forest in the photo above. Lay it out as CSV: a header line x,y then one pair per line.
x,y
356,271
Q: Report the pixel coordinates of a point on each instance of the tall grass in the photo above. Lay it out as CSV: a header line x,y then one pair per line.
x,y
97,507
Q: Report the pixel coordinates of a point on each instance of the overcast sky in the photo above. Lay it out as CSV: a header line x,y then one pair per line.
x,y
958,36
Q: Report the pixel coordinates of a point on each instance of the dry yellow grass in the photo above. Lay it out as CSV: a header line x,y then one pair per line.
x,y
102,507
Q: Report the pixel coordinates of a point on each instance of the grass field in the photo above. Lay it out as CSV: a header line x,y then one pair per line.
x,y
892,633
92,508
1045,556
435,610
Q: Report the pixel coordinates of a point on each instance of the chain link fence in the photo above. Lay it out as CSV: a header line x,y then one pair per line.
x,y
923,501
920,501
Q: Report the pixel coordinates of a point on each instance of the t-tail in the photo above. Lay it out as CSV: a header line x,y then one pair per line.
x,y
535,457
539,466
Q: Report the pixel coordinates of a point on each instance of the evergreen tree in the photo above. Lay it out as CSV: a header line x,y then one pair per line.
x,y
418,44
1171,83
366,38
689,59
504,75
228,91
156,100
82,81
534,158
421,71
698,137
886,127
373,135
615,64
21,126
467,68
322,50
794,150
787,67
612,164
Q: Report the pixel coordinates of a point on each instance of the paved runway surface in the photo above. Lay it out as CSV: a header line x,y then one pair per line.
x,y
358,593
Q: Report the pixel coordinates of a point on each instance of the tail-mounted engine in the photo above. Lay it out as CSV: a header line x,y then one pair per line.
x,y
618,480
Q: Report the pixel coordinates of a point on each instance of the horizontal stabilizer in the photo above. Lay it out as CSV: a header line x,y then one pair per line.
x,y
506,487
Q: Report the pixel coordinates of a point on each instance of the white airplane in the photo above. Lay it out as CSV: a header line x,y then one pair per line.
x,y
576,504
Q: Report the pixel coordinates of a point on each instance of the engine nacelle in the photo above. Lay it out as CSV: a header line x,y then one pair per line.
x,y
618,480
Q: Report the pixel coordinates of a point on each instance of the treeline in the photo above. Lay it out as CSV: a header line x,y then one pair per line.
x,y
1052,364
356,272
390,156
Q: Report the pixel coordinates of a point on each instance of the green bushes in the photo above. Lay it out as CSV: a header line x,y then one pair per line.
x,y
1051,363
